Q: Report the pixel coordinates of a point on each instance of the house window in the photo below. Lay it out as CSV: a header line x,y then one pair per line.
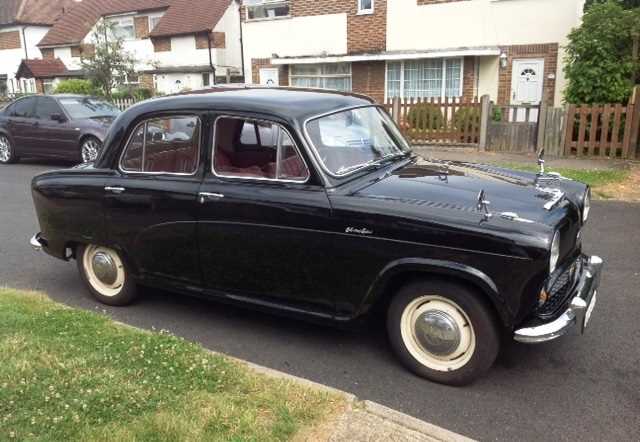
x,y
48,86
266,9
206,79
365,6
153,21
4,87
123,28
335,76
437,77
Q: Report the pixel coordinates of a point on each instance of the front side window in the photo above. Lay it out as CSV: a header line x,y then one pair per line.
x,y
353,139
266,9
46,108
365,6
336,76
430,78
164,145
123,28
245,148
86,107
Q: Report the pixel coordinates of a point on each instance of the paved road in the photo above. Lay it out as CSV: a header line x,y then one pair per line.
x,y
578,388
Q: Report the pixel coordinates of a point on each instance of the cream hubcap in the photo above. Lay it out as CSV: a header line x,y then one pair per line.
x,y
104,270
438,333
5,149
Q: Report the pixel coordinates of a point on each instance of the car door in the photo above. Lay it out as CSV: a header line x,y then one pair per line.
x,y
54,138
262,218
20,123
151,202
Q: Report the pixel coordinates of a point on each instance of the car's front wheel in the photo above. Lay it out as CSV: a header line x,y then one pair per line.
x,y
104,272
443,331
90,149
7,154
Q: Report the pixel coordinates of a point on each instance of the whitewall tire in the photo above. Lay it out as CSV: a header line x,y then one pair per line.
x,y
104,272
443,331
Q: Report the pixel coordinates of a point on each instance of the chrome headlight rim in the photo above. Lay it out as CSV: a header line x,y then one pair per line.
x,y
586,205
554,253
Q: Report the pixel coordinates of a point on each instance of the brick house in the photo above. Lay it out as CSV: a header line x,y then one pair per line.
x,y
175,42
23,23
509,49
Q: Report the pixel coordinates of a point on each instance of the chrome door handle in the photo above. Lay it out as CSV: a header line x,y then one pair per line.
x,y
206,196
116,190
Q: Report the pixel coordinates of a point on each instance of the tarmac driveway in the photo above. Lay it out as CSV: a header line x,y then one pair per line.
x,y
577,388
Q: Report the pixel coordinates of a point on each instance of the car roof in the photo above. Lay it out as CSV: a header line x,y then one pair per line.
x,y
287,103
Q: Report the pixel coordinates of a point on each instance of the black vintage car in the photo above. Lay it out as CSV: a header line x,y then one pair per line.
x,y
311,203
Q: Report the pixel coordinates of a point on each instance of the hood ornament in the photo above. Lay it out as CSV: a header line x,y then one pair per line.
x,y
483,205
542,175
541,163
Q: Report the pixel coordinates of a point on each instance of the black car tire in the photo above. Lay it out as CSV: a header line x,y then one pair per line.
x,y
89,142
11,157
106,275
420,317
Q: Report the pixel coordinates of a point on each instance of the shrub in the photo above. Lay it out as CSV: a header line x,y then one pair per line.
x,y
425,116
466,117
76,86
497,114
142,94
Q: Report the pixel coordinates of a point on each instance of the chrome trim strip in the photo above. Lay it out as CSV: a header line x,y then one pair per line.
x,y
242,178
316,154
144,142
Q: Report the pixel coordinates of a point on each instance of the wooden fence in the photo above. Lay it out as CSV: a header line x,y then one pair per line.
x,y
437,121
610,130
513,128
124,103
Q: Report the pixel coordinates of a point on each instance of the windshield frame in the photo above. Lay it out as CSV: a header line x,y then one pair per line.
x,y
60,100
362,166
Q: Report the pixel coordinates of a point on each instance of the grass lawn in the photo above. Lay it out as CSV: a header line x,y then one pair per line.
x,y
596,178
68,374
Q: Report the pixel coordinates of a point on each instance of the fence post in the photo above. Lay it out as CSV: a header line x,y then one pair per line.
x,y
485,111
395,109
635,122
542,126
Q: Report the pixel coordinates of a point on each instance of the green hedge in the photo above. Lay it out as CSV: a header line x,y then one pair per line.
x,y
466,117
425,117
76,86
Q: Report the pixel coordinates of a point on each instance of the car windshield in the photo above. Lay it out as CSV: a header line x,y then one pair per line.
x,y
87,107
350,140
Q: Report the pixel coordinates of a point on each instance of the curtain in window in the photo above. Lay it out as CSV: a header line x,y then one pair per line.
x,y
394,72
454,76
335,76
427,78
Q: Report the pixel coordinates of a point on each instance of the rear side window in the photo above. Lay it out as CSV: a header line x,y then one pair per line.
x,y
245,148
164,145
22,108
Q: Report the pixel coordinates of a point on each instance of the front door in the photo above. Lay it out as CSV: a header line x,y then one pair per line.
x,y
54,138
269,76
151,203
526,85
263,217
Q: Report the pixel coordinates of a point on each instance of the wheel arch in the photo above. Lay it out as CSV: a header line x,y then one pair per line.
x,y
404,271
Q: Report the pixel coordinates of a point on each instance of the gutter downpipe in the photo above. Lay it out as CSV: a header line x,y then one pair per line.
x,y
244,79
213,68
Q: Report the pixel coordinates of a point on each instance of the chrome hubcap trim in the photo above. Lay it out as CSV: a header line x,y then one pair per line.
x,y
5,151
437,332
104,268
89,150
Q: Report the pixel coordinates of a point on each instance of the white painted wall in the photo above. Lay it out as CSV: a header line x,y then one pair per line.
x,y
10,58
295,36
488,73
483,23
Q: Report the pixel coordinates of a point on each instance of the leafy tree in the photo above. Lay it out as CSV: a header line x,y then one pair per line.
x,y
600,65
109,62
76,86
627,4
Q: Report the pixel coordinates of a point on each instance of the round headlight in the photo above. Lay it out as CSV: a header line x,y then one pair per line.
x,y
555,252
586,205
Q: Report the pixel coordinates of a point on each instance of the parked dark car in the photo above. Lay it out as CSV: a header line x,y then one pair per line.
x,y
67,127
312,204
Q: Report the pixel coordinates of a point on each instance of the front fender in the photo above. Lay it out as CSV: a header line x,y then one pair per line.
x,y
435,267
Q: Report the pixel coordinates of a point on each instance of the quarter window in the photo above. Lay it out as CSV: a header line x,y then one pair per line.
x,y
437,77
256,149
164,145
266,9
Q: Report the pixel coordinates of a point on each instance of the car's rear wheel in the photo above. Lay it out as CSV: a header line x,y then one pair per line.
x,y
104,272
7,154
443,331
90,149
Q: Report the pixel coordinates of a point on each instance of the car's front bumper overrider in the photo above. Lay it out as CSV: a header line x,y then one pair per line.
x,y
577,313
37,243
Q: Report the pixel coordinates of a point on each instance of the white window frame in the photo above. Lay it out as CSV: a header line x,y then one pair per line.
x,y
249,4
118,21
444,77
48,83
363,11
152,17
321,75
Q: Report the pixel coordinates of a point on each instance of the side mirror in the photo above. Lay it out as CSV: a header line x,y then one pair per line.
x,y
58,117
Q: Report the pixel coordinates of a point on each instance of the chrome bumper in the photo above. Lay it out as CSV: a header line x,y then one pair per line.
x,y
36,243
577,314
